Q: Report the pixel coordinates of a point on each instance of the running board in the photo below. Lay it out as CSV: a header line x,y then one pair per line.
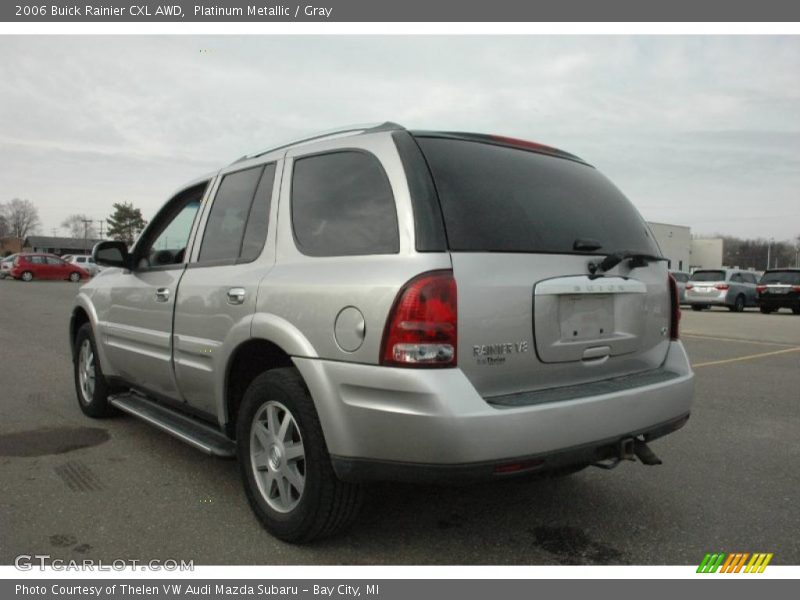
x,y
189,430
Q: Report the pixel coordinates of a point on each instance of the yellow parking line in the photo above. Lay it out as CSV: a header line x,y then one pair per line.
x,y
727,339
740,358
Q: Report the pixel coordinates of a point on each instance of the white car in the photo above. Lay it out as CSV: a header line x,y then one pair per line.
x,y
87,262
5,265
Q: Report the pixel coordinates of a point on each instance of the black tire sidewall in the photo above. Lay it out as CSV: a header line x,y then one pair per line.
x,y
98,406
282,385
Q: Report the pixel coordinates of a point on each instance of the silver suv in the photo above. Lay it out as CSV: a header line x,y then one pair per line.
x,y
383,304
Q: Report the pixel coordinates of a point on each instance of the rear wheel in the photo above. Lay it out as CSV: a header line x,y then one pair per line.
x,y
697,307
284,462
738,304
796,311
27,276
90,385
74,277
765,310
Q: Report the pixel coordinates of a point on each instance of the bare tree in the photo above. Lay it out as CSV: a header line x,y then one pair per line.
x,y
3,224
79,226
22,217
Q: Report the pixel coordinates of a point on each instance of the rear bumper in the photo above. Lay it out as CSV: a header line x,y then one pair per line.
x,y
382,423
706,300
788,301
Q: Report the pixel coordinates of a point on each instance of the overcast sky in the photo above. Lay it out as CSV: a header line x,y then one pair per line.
x,y
701,131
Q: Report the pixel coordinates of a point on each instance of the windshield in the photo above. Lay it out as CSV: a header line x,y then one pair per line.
x,y
708,276
784,277
500,199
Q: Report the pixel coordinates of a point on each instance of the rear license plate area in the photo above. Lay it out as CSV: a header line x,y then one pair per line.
x,y
586,317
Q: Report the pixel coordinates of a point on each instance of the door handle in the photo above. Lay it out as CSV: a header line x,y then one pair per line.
x,y
162,295
236,295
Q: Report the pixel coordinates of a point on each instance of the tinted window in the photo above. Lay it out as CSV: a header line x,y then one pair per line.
x,y
682,277
342,205
785,277
737,278
52,260
501,199
255,233
36,260
170,245
226,223
708,276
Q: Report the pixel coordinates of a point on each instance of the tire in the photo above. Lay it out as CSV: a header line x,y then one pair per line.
x,y
738,304
74,277
796,311
93,391
697,307
323,505
765,310
26,276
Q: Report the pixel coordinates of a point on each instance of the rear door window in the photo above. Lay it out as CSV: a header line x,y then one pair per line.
x,y
342,205
501,199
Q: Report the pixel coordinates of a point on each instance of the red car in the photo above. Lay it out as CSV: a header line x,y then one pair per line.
x,y
45,266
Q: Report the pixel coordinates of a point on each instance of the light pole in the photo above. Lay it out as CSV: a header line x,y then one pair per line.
x,y
769,247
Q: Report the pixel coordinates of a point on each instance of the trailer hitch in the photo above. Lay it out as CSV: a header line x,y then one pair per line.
x,y
630,448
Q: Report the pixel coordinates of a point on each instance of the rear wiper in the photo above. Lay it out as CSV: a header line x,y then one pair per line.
x,y
638,259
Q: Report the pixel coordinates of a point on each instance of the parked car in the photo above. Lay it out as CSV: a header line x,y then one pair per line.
x,y
681,279
84,261
385,304
733,288
779,288
29,266
5,265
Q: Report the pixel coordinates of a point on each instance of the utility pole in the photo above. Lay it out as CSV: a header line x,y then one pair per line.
x,y
769,247
86,223
102,222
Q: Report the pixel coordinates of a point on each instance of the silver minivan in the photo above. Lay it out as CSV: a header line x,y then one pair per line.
x,y
733,288
383,304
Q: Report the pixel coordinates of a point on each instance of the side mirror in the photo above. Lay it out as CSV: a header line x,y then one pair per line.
x,y
111,254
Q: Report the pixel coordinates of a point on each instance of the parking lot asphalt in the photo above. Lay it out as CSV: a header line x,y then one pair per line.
x,y
76,488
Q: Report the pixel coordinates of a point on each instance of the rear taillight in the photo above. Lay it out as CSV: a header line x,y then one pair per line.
x,y
689,286
722,286
421,330
761,288
675,316
796,288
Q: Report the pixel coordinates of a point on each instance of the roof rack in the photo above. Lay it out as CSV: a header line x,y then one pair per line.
x,y
354,129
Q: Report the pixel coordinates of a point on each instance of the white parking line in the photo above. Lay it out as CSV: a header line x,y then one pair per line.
x,y
728,339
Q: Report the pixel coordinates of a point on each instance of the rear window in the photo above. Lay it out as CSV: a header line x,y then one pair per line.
x,y
784,277
500,199
708,276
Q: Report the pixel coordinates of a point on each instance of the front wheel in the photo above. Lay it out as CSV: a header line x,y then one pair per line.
x,y
765,310
27,276
697,307
90,385
796,311
284,462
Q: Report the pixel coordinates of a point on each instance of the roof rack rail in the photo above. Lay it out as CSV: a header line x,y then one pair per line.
x,y
362,128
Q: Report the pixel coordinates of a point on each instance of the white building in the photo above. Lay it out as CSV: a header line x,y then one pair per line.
x,y
675,242
706,253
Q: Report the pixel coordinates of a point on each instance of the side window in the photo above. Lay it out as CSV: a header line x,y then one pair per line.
x,y
228,220
36,260
342,205
52,260
736,278
165,239
255,235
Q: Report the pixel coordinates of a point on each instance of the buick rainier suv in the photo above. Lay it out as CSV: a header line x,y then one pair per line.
x,y
384,304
